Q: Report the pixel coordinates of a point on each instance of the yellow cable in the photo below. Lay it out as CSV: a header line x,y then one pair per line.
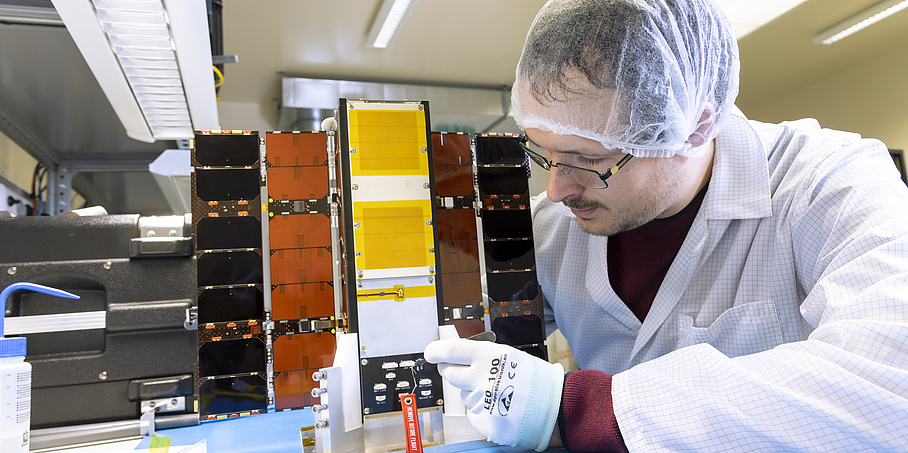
x,y
220,77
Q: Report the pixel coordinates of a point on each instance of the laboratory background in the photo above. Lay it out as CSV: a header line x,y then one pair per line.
x,y
79,133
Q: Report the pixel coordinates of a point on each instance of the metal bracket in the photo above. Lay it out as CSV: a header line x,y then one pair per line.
x,y
59,193
177,403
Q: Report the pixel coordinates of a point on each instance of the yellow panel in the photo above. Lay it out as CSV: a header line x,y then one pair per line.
x,y
388,142
393,234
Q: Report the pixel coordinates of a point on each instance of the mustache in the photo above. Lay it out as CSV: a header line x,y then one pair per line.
x,y
582,204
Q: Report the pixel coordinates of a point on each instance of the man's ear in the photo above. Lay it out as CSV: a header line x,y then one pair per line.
x,y
704,126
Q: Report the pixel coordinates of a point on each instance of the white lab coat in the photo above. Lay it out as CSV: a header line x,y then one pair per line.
x,y
782,324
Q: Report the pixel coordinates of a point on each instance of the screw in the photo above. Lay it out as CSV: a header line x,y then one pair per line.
x,y
431,280
151,404
424,149
317,392
321,424
151,234
359,254
319,375
102,376
107,265
440,402
432,250
354,187
316,408
432,269
174,402
367,411
352,150
364,362
12,270
425,185
359,274
356,225
429,222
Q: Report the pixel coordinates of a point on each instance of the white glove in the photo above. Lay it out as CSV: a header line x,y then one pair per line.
x,y
512,398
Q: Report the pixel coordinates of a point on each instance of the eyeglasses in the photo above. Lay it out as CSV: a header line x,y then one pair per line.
x,y
583,176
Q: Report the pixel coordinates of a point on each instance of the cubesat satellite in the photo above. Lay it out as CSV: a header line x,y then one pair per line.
x,y
328,260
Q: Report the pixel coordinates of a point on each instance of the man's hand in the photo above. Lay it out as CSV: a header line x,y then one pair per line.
x,y
512,398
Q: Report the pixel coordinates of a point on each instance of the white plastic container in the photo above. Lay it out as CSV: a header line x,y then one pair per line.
x,y
15,396
16,378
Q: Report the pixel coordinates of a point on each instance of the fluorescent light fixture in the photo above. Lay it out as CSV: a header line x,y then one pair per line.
x,y
860,21
391,16
152,59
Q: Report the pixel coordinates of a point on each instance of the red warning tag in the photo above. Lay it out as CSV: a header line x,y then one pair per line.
x,y
411,422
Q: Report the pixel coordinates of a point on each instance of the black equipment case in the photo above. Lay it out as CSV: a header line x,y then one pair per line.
x,y
137,281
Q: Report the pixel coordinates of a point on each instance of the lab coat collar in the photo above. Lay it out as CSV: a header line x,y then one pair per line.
x,y
739,185
600,288
738,189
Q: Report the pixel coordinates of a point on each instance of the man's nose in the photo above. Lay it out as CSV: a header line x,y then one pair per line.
x,y
560,186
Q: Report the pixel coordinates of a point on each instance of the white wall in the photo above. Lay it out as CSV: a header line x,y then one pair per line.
x,y
16,165
870,99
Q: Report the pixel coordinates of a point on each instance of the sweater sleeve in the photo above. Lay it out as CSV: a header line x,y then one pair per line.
x,y
586,420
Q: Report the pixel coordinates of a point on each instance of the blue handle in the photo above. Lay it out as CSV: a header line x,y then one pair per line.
x,y
30,286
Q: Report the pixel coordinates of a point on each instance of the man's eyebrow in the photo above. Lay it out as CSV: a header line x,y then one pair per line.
x,y
571,151
609,152
542,148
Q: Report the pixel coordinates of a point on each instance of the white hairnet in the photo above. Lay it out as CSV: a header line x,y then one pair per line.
x,y
640,75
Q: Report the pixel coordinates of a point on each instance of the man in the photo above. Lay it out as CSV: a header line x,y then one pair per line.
x,y
732,286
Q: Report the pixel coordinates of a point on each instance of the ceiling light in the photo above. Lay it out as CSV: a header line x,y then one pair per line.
x,y
152,59
390,17
860,21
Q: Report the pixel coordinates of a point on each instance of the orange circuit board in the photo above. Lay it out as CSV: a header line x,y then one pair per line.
x,y
302,271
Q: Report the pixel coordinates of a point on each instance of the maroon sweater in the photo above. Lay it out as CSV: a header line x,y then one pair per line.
x,y
637,263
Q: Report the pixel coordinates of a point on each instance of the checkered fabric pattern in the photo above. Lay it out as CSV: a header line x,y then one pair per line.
x,y
782,324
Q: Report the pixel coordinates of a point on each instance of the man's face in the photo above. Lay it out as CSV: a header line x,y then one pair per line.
x,y
644,189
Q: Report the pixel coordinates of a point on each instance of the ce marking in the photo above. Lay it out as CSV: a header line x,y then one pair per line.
x,y
511,374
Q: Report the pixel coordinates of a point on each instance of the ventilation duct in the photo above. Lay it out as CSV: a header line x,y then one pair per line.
x,y
306,102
